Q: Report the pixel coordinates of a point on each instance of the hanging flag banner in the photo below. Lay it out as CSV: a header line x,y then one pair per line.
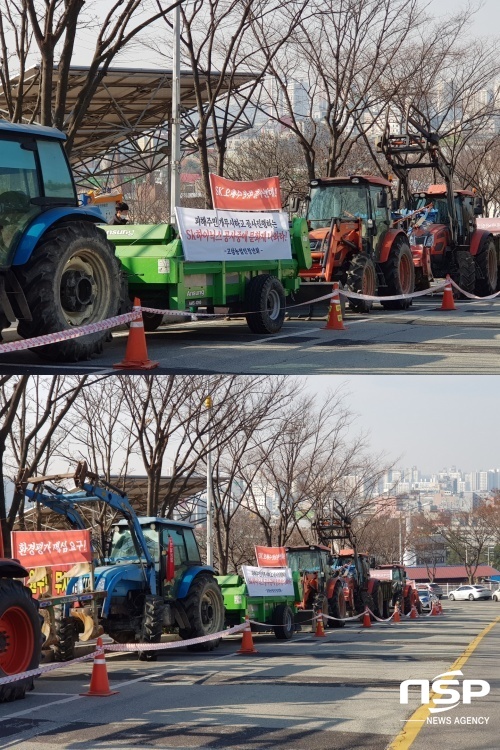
x,y
270,557
255,195
268,581
233,235
36,549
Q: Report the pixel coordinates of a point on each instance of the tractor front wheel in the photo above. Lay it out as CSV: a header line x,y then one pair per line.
x,y
265,304
72,279
20,637
464,274
362,279
378,601
152,626
66,636
283,622
204,607
399,273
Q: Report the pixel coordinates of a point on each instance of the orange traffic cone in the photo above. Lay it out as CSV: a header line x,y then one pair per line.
x,y
367,623
396,617
440,607
334,321
136,353
99,683
434,609
413,613
448,302
320,628
247,646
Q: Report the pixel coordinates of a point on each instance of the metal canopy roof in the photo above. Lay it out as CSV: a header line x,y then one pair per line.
x,y
125,129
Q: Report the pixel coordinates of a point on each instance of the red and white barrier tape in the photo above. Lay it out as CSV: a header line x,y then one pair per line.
x,y
125,647
474,296
70,333
379,619
340,619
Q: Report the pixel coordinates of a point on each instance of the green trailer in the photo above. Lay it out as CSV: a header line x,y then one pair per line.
x,y
153,261
277,613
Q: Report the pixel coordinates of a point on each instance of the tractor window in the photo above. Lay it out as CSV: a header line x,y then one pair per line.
x,y
193,553
18,184
122,545
336,201
180,554
56,175
305,560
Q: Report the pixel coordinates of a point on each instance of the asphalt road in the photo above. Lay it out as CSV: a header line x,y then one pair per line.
x,y
422,340
336,693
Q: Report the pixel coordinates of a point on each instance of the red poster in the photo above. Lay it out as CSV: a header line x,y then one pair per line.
x,y
35,549
257,195
271,557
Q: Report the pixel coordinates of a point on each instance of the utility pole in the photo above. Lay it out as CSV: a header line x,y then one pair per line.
x,y
175,130
210,496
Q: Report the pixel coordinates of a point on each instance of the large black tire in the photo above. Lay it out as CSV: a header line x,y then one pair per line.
x,y
265,303
204,607
152,321
152,626
72,278
20,637
66,635
362,279
337,606
399,274
378,600
283,622
486,262
407,604
464,273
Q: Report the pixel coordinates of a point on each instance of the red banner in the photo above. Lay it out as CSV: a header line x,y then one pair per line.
x,y
257,195
45,582
270,557
35,549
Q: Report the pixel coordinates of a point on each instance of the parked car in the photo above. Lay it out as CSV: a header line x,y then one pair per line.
x,y
427,599
470,592
434,588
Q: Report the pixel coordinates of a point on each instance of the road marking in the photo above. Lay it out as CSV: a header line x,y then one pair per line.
x,y
408,734
283,336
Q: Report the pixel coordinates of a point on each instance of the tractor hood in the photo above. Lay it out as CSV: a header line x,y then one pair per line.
x,y
117,580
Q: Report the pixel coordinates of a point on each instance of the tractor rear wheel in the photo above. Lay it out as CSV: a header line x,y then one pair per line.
x,y
283,622
486,269
399,273
152,626
73,278
337,606
20,637
464,274
362,279
204,607
66,636
265,304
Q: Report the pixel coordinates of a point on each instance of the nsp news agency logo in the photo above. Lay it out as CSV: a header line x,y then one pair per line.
x,y
445,697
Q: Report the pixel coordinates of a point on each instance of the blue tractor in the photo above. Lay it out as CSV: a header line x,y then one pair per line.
x,y
57,268
153,577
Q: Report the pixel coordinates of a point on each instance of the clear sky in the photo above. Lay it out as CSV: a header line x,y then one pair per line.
x,y
486,20
432,421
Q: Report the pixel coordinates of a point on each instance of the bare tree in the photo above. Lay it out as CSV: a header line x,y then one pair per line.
x,y
467,535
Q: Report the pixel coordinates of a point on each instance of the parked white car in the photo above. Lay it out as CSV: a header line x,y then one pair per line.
x,y
470,592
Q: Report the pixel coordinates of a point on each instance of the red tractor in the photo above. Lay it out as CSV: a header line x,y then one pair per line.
x,y
20,629
440,221
360,589
323,591
404,592
353,241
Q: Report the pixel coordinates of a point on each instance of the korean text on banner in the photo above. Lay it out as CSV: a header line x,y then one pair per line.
x,y
256,195
270,557
36,549
268,581
233,235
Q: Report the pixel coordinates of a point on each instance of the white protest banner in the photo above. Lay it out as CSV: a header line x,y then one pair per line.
x,y
268,581
233,235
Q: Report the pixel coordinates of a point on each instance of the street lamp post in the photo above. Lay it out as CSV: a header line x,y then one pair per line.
x,y
175,130
210,497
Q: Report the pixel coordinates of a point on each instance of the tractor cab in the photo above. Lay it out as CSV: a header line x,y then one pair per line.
x,y
313,565
434,215
353,209
171,560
